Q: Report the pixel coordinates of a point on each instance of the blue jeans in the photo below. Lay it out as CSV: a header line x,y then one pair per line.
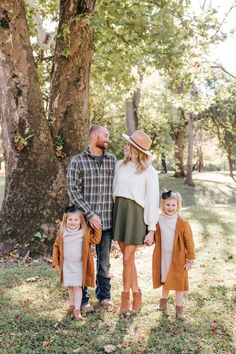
x,y
103,280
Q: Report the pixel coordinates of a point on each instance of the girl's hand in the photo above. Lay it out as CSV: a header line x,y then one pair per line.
x,y
149,238
188,265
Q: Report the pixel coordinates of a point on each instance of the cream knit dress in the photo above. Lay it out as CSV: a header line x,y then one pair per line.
x,y
72,263
167,225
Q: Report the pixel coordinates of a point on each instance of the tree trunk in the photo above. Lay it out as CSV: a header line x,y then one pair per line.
x,y
201,167
189,177
178,137
32,189
68,107
230,161
35,189
131,112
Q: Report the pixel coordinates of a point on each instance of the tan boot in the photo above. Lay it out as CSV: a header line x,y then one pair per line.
x,y
180,313
125,302
137,301
162,305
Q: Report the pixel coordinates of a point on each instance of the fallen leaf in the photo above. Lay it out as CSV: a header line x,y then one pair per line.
x,y
109,348
32,280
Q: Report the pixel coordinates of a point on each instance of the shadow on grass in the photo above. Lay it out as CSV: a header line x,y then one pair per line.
x,y
207,329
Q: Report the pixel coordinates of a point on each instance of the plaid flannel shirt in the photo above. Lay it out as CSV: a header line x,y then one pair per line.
x,y
90,185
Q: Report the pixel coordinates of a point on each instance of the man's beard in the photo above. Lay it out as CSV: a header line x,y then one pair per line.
x,y
101,145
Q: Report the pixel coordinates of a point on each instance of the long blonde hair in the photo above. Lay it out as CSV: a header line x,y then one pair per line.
x,y
140,159
173,195
65,217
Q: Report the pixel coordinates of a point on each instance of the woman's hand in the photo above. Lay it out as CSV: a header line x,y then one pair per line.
x,y
149,238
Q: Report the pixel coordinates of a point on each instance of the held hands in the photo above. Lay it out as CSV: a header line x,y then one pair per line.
x,y
188,265
149,238
95,222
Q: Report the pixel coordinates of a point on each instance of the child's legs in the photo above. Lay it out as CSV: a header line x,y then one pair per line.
x,y
77,297
179,298
164,293
71,295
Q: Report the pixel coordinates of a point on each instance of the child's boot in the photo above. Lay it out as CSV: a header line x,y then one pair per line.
x,y
125,302
162,305
77,315
137,301
70,310
180,313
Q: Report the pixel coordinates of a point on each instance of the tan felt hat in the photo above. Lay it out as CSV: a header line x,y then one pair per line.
x,y
140,140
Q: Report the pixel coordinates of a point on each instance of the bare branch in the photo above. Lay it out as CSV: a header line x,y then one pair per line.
x,y
223,69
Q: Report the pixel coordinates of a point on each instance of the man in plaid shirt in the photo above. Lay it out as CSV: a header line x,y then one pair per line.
x,y
90,179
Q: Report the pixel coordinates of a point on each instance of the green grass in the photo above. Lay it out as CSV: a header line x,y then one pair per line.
x,y
33,314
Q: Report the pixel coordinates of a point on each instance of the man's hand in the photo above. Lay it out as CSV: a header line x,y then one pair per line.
x,y
95,222
149,238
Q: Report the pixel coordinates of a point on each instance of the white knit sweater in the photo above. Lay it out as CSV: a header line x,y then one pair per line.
x,y
143,188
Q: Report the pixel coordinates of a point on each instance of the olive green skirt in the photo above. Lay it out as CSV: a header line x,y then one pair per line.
x,y
128,223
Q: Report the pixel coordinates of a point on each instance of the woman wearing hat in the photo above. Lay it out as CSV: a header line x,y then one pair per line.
x,y
136,193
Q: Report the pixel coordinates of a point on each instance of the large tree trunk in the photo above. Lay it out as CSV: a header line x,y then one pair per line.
x,y
35,190
32,189
189,177
131,108
68,107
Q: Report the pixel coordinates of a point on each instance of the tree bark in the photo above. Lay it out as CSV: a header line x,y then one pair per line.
x,y
201,167
178,136
131,111
189,177
68,107
35,189
32,189
230,161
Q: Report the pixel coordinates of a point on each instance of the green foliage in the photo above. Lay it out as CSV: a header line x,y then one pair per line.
x,y
21,141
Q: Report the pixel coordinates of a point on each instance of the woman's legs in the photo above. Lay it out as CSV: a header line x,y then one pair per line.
x,y
134,285
129,270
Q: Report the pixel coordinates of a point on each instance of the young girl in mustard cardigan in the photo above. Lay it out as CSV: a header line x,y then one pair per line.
x,y
72,255
173,254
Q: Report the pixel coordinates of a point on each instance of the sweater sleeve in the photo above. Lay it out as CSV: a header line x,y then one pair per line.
x,y
151,204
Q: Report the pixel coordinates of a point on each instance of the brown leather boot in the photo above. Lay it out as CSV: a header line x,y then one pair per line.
x,y
137,301
125,302
180,313
162,305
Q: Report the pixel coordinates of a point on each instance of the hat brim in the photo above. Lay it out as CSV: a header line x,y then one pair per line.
x,y
137,146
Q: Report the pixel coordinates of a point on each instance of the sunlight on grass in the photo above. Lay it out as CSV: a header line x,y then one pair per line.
x,y
33,313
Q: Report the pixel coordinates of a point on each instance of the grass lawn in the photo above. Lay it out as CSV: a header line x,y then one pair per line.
x,y
33,313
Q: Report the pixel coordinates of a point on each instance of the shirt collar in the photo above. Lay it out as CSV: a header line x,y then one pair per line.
x,y
88,152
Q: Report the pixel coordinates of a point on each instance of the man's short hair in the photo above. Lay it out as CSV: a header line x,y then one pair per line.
x,y
94,129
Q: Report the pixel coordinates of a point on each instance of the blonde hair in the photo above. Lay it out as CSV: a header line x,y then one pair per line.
x,y
140,159
175,196
65,217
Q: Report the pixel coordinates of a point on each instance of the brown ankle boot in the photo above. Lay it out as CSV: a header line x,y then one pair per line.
x,y
180,313
137,301
162,305
125,302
